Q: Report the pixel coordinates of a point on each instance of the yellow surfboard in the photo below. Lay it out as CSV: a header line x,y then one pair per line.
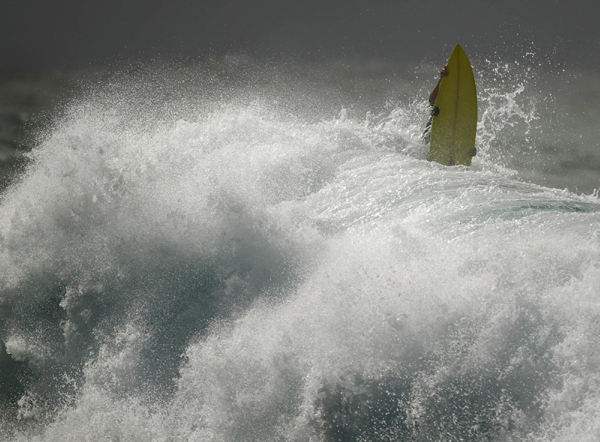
x,y
453,128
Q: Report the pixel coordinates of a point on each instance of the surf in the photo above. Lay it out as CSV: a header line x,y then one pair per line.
x,y
248,252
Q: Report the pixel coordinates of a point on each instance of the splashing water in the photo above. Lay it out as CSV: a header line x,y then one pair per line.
x,y
219,254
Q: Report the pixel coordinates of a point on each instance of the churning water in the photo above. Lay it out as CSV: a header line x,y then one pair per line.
x,y
243,252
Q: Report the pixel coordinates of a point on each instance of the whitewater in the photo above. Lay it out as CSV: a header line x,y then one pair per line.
x,y
244,251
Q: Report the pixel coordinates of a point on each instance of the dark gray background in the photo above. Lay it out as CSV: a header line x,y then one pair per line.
x,y
79,33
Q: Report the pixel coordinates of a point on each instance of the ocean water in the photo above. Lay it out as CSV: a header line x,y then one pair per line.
x,y
240,251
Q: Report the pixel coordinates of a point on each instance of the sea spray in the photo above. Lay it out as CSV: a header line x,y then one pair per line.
x,y
216,255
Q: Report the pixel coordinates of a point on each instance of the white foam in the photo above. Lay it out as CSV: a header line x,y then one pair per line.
x,y
235,271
